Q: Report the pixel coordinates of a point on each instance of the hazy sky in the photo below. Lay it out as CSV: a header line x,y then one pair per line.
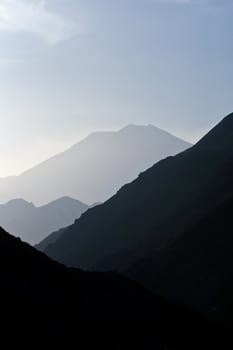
x,y
70,67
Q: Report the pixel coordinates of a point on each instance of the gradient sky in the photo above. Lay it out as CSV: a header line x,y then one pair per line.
x,y
70,67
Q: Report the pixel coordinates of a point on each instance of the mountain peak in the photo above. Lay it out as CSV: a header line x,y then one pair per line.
x,y
95,168
150,130
19,202
128,126
135,127
65,200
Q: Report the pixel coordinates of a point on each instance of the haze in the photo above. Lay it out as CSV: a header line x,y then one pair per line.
x,y
70,67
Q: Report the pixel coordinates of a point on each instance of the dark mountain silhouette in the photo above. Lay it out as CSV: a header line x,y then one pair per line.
x,y
198,268
42,300
95,168
146,215
32,223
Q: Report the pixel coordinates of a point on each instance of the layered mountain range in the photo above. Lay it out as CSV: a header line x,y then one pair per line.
x,y
174,220
154,209
170,230
32,224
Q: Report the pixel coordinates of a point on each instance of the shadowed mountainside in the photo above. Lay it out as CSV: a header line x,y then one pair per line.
x,y
100,309
52,238
197,269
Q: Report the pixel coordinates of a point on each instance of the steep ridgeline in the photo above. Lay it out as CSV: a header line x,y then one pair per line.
x,y
52,238
197,269
95,168
32,224
44,301
147,214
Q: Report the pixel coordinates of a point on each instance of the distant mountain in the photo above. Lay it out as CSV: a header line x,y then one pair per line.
x,y
32,224
95,168
197,269
42,299
148,214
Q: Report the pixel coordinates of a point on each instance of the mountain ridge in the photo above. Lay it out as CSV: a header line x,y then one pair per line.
x,y
95,168
33,223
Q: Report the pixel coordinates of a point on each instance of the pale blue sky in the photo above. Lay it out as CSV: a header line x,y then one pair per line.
x,y
70,67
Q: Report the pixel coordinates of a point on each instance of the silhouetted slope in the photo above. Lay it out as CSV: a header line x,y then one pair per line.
x,y
198,268
32,223
95,168
41,299
52,238
146,214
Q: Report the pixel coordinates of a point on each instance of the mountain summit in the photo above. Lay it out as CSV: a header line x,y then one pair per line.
x,y
95,168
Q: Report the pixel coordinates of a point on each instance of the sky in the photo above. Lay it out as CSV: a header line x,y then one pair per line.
x,y
71,67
